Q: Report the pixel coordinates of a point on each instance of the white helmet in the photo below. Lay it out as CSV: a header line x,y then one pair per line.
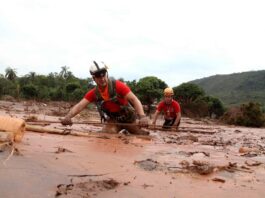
x,y
97,67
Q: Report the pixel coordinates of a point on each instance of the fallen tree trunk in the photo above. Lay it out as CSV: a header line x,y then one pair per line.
x,y
44,130
150,127
196,131
58,131
71,132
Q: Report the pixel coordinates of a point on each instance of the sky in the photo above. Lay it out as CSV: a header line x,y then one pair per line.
x,y
174,40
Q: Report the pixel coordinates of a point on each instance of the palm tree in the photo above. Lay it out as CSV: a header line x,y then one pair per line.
x,y
64,72
32,75
11,74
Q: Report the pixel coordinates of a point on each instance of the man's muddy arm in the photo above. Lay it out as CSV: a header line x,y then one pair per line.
x,y
177,119
136,103
155,117
143,120
77,108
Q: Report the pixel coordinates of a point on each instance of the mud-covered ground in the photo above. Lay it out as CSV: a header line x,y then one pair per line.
x,y
202,159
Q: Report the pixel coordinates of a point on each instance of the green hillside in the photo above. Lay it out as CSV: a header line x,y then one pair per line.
x,y
236,88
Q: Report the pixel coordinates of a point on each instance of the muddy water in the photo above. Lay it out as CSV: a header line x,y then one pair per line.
x,y
223,162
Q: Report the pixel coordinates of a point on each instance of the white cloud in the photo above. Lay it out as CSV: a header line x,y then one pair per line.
x,y
177,41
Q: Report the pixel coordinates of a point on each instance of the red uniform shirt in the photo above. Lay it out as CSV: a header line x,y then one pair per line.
x,y
121,89
170,110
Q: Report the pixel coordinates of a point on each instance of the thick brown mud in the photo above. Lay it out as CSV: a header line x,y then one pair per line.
x,y
202,159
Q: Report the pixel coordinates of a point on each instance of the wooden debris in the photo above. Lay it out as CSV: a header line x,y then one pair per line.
x,y
31,118
216,179
62,150
252,163
45,130
88,175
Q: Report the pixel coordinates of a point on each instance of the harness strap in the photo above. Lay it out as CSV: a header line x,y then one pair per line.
x,y
126,112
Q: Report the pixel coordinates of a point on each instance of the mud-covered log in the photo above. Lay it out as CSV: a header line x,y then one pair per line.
x,y
40,129
44,130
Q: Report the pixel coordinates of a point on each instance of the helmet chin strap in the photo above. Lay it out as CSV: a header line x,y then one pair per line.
x,y
168,101
101,87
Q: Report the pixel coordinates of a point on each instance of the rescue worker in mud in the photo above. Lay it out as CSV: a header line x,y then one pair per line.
x,y
171,110
113,100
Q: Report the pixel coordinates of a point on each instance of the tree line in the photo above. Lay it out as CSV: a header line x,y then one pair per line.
x,y
64,86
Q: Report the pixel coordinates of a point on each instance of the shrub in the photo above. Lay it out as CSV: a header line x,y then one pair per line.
x,y
29,91
77,94
57,94
249,115
70,87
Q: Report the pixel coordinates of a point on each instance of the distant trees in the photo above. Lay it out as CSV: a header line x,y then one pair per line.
x,y
11,73
63,86
32,76
7,87
132,84
30,91
187,93
195,102
66,87
237,88
149,89
249,114
64,72
215,106
10,86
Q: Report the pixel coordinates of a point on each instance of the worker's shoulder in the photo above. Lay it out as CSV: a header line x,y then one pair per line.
x,y
161,103
90,93
175,102
121,85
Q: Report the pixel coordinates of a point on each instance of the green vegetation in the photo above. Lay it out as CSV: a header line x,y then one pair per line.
x,y
63,86
236,89
149,89
249,114
195,103
198,99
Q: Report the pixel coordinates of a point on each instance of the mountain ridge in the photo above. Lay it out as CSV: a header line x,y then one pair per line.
x,y
236,88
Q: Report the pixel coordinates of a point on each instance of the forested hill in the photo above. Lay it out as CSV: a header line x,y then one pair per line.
x,y
236,88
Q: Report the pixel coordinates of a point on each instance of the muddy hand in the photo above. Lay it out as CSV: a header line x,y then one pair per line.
x,y
143,121
152,126
66,121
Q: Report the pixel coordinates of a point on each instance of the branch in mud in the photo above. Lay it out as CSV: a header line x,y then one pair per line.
x,y
58,131
13,150
88,175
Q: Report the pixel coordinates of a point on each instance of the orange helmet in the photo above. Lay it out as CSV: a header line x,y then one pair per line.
x,y
168,91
